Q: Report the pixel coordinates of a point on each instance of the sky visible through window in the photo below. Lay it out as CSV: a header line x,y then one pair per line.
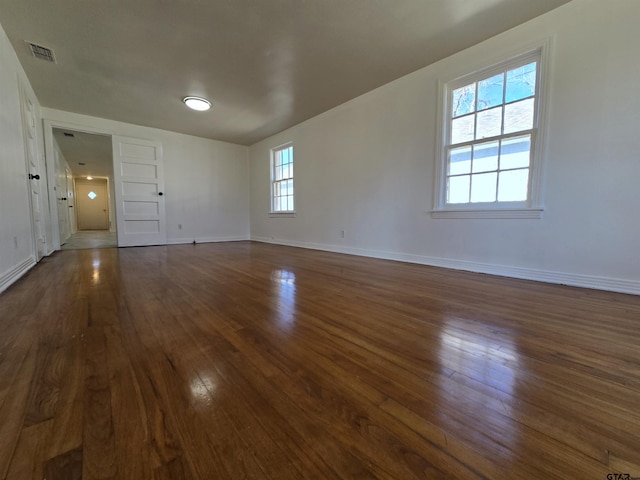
x,y
497,108
282,183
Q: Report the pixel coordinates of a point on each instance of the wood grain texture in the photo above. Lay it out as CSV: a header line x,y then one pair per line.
x,y
245,360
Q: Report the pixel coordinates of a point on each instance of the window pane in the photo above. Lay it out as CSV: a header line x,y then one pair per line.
x,y
521,82
513,185
276,189
290,202
463,100
489,123
490,92
462,129
515,152
485,157
458,191
460,161
518,116
483,187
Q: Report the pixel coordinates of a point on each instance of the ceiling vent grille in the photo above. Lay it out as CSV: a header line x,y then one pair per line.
x,y
42,53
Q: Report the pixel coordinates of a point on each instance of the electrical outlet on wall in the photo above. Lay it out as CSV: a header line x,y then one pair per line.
x,y
179,226
15,241
342,233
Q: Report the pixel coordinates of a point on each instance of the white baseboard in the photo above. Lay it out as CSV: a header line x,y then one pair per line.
x,y
573,279
234,238
11,276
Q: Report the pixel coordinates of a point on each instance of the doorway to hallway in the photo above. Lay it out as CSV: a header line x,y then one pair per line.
x,y
92,203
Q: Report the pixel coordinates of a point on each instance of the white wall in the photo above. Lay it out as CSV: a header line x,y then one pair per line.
x,y
16,239
206,181
367,166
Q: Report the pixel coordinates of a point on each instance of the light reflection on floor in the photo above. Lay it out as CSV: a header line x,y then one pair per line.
x,y
284,286
203,388
95,277
489,364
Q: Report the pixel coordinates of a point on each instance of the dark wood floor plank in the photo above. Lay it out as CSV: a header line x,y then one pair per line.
x,y
13,408
246,360
43,396
27,462
129,414
98,439
68,420
66,466
247,408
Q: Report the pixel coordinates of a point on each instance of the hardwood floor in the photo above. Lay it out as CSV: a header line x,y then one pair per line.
x,y
250,361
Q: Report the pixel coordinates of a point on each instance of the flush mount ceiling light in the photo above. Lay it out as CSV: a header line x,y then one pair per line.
x,y
89,177
197,103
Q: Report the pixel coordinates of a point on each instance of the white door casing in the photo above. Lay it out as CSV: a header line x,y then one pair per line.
x,y
34,179
139,187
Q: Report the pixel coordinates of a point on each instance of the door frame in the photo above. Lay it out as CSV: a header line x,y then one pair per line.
x,y
48,126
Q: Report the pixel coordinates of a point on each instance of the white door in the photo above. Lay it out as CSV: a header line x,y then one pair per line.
x,y
35,180
139,185
69,194
61,198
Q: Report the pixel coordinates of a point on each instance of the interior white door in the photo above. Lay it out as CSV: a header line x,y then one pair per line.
x,y
139,185
61,198
33,174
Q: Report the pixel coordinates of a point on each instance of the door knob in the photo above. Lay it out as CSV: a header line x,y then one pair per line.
x,y
160,193
34,177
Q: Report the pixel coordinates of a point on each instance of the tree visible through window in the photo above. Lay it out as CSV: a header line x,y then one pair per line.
x,y
491,126
282,179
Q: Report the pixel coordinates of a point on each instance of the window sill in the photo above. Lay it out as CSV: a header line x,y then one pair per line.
x,y
526,213
282,214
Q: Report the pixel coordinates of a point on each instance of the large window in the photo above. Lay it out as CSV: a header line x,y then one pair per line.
x,y
282,179
490,137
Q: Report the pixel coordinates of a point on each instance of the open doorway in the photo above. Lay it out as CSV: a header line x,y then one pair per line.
x,y
84,189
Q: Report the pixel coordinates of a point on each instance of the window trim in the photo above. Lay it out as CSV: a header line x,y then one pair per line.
x,y
532,207
280,213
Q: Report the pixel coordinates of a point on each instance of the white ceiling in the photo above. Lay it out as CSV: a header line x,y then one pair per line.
x,y
265,64
94,151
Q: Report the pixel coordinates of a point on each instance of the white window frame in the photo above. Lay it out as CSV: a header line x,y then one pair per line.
x,y
274,152
532,207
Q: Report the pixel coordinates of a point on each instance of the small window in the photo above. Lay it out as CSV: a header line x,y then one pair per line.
x,y
282,179
491,137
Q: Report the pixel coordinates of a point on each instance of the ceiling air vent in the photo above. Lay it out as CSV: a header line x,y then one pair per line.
x,y
42,53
